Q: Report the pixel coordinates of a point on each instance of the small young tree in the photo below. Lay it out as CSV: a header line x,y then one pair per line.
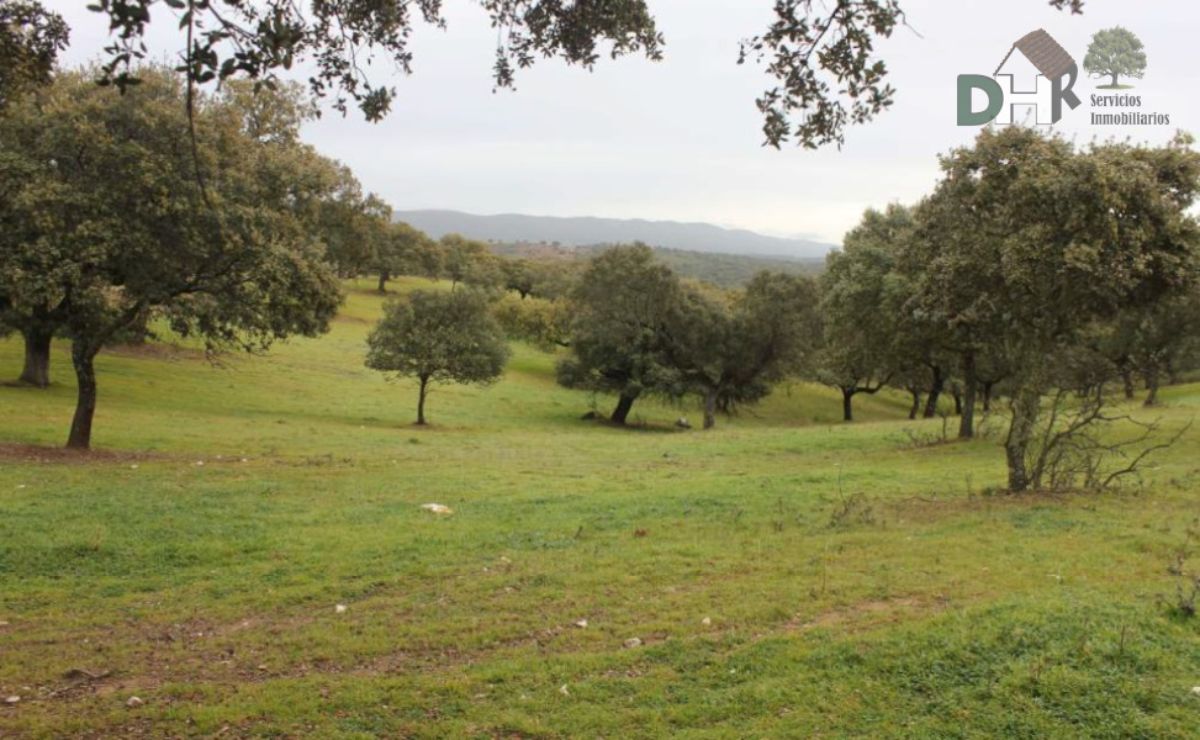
x,y
438,337
1115,52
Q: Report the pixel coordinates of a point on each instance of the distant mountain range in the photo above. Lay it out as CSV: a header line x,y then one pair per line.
x,y
586,231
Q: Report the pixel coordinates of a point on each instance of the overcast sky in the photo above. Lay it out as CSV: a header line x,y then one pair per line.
x,y
680,139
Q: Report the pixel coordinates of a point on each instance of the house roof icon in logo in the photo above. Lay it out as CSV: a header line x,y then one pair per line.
x,y
1043,52
1039,79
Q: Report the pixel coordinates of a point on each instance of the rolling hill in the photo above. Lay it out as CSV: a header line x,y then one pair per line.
x,y
246,552
581,231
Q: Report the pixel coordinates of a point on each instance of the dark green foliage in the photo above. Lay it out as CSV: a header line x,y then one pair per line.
x,y
729,351
731,270
623,306
469,261
1156,341
109,220
438,337
541,322
843,39
518,275
257,40
403,250
1047,240
950,312
30,39
860,308
558,264
1030,264
637,329
821,55
353,226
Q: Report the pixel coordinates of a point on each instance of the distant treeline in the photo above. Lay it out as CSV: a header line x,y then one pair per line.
x,y
722,270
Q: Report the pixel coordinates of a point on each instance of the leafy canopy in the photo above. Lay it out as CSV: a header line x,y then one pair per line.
x,y
730,350
446,336
107,216
105,222
30,39
623,304
858,303
1052,240
821,55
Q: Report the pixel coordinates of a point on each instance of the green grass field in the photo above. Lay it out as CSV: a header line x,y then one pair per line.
x,y
785,574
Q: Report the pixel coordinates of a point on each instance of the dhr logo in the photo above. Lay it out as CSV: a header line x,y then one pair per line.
x,y
1040,79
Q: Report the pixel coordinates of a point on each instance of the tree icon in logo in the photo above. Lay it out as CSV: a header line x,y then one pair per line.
x,y
1115,52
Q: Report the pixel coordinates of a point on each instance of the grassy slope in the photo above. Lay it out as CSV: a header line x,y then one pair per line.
x,y
209,590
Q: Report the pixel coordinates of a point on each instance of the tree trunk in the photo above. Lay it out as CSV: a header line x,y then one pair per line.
x,y
421,400
987,395
37,358
83,357
847,404
624,404
1114,78
916,404
1151,387
1025,407
966,425
1127,382
710,409
935,390
383,278
958,400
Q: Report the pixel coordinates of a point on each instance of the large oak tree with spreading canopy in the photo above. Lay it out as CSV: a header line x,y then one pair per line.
x,y
1052,239
624,304
118,208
